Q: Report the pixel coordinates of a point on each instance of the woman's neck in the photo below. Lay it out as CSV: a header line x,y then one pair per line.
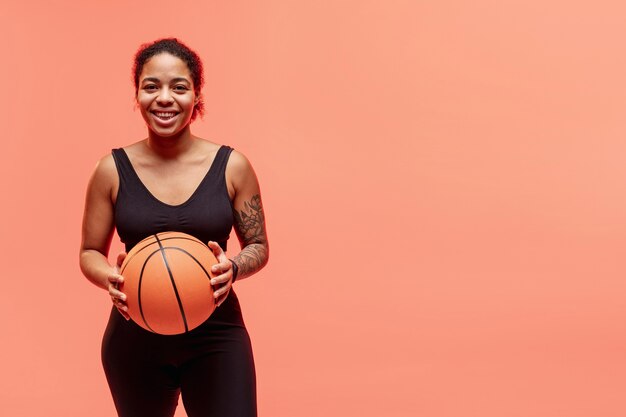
x,y
170,147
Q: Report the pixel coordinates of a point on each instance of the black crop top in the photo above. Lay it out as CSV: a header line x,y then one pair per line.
x,y
207,214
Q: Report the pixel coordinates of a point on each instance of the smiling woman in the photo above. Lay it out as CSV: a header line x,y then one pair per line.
x,y
175,181
168,102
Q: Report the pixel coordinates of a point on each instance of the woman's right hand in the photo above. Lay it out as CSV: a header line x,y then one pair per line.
x,y
118,297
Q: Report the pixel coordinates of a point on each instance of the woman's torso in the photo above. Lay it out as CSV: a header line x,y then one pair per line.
x,y
198,202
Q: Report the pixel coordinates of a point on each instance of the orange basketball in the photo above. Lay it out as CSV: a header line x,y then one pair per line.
x,y
167,282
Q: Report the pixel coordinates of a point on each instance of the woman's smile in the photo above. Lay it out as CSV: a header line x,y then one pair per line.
x,y
164,118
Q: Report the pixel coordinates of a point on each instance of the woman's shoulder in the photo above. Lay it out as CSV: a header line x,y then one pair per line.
x,y
106,169
105,166
239,173
238,163
104,176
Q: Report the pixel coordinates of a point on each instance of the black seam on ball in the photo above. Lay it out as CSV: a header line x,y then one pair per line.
x,y
143,317
169,271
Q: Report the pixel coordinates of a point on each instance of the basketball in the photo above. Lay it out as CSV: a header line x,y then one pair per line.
x,y
167,282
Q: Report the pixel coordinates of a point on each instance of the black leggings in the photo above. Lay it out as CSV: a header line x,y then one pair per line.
x,y
212,367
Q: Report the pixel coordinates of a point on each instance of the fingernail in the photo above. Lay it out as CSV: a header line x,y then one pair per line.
x,y
213,282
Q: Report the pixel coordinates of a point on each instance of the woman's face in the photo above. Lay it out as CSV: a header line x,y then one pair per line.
x,y
166,94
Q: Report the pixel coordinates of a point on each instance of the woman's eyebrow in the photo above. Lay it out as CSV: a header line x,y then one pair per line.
x,y
174,80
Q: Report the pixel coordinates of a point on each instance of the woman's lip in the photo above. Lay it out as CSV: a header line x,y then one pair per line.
x,y
164,122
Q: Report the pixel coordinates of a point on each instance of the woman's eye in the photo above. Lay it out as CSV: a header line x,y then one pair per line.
x,y
180,87
150,87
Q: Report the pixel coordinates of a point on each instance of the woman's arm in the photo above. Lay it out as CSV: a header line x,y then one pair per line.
x,y
249,217
97,232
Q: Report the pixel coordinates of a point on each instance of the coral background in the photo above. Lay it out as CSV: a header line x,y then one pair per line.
x,y
443,184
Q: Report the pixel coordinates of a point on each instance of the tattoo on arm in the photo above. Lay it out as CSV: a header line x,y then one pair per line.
x,y
250,227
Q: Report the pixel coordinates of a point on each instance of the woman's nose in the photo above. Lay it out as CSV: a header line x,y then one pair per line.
x,y
164,96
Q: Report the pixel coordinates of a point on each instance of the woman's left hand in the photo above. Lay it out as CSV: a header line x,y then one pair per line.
x,y
223,274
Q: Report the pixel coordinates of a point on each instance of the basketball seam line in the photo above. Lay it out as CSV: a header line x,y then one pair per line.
x,y
143,317
169,271
126,261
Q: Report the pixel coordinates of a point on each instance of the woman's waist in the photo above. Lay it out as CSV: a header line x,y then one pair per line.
x,y
228,314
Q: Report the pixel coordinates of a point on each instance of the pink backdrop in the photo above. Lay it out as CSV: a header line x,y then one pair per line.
x,y
443,184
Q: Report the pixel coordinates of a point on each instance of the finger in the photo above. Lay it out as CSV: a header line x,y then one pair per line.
x,y
120,258
114,293
121,307
114,282
221,268
124,313
217,251
221,291
215,247
222,278
116,279
119,304
221,299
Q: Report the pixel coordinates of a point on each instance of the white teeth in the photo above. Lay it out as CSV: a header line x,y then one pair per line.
x,y
165,114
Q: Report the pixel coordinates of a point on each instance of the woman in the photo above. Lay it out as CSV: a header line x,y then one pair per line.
x,y
173,180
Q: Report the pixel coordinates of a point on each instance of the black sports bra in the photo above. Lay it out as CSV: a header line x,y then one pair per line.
x,y
207,214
